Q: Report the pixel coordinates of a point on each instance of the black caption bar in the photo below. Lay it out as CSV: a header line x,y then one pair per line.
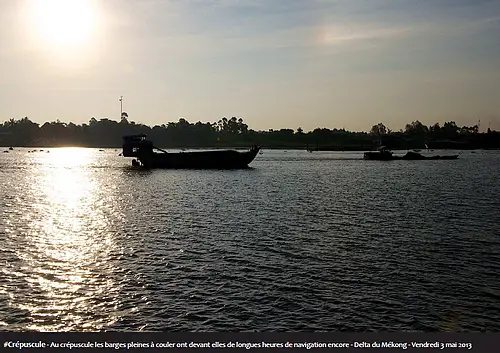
x,y
229,342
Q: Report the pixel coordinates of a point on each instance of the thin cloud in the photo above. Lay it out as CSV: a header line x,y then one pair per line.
x,y
342,35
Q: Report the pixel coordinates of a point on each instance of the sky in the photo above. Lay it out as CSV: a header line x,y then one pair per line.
x,y
276,63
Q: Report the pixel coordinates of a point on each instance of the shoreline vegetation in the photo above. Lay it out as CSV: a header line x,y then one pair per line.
x,y
233,132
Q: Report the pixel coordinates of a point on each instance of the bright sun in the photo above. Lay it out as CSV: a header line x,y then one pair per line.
x,y
64,23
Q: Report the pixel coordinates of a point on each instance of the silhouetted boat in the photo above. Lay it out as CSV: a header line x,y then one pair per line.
x,y
137,146
384,154
414,156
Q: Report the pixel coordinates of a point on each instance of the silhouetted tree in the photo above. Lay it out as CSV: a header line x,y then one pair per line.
x,y
124,118
416,128
450,130
379,129
234,132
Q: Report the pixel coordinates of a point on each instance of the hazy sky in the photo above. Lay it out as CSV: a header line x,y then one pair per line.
x,y
275,63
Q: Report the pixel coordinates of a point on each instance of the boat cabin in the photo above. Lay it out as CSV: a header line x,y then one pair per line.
x,y
136,145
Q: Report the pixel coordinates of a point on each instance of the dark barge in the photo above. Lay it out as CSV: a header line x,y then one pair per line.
x,y
384,154
146,156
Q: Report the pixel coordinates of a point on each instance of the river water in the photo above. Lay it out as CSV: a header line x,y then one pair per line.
x,y
301,241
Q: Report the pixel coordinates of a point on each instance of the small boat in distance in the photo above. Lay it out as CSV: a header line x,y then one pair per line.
x,y
137,146
384,154
414,156
381,154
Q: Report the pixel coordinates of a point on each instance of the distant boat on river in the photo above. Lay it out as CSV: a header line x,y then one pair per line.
x,y
384,154
143,150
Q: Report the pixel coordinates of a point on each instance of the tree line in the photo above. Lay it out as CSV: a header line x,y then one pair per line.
x,y
235,133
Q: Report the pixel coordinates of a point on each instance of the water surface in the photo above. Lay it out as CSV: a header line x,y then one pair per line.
x,y
301,241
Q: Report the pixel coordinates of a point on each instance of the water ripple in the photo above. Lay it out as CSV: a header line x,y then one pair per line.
x,y
300,242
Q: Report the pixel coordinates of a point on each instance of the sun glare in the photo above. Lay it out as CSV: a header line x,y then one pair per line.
x,y
63,23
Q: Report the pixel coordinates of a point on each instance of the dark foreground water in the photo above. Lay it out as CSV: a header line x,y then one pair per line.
x,y
300,242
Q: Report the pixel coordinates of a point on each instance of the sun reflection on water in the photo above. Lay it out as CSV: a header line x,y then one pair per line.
x,y
66,248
